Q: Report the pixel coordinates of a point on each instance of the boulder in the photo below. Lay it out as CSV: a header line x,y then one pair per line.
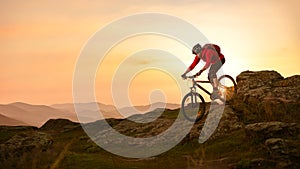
x,y
249,80
228,123
279,147
267,96
284,151
265,130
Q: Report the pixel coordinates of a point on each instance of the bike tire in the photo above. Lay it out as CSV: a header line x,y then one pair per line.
x,y
189,109
228,89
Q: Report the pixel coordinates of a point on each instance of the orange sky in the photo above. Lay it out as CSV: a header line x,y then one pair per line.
x,y
41,40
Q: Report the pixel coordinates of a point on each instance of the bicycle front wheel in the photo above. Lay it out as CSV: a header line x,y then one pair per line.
x,y
227,87
193,106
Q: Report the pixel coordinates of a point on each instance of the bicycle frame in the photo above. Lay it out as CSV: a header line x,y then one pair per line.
x,y
195,83
189,100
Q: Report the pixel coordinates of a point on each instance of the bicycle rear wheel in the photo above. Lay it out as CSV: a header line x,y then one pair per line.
x,y
227,87
193,106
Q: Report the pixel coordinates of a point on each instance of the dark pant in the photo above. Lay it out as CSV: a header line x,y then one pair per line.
x,y
214,68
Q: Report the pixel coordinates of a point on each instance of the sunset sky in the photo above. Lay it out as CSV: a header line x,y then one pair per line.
x,y
41,41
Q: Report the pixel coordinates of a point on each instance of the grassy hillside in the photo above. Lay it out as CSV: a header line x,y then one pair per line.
x,y
63,144
259,128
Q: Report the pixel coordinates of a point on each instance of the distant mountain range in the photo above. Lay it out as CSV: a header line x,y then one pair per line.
x,y
34,115
11,122
16,114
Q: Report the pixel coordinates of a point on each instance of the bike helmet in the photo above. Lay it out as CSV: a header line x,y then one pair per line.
x,y
196,49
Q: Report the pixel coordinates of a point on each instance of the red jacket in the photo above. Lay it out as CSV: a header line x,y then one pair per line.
x,y
209,55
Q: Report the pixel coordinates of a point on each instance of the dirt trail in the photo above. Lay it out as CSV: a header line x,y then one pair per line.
x,y
61,155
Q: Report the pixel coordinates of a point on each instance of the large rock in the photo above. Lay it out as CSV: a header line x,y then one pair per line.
x,y
281,142
267,96
249,80
228,123
284,151
279,147
265,130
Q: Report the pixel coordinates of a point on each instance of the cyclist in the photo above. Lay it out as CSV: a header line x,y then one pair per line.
x,y
211,54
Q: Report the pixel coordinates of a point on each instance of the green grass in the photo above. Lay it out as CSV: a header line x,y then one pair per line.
x,y
8,132
80,156
84,153
73,149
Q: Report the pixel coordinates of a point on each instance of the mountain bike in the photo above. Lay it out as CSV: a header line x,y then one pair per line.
x,y
193,104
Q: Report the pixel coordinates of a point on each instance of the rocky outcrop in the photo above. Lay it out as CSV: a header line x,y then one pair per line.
x,y
267,96
265,130
269,106
279,148
229,122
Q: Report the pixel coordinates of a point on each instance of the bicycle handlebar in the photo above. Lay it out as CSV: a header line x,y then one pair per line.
x,y
191,77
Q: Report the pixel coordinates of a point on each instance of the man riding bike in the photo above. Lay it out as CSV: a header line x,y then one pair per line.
x,y
211,54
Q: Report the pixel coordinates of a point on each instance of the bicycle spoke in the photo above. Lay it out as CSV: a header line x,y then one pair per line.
x,y
227,87
193,106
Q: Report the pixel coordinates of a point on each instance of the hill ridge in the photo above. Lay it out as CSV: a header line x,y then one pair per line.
x,y
259,129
